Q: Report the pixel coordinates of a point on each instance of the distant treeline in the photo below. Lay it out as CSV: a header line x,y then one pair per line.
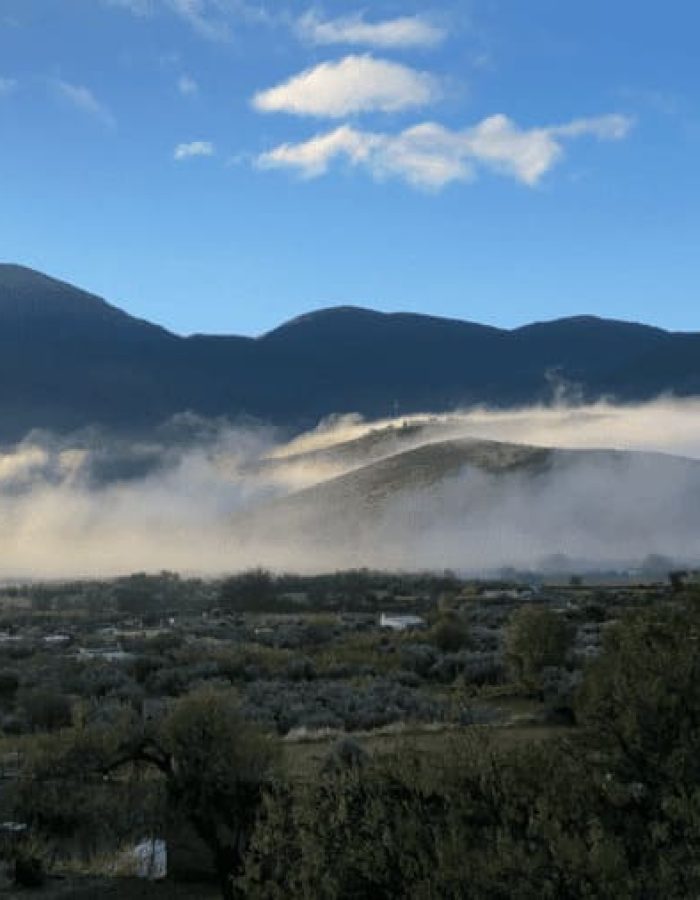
x,y
254,590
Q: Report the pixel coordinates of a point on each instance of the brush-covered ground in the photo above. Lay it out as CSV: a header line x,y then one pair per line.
x,y
303,661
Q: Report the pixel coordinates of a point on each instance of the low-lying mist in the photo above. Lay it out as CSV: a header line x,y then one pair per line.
x,y
212,497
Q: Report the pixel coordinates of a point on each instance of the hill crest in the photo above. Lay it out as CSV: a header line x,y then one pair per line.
x,y
70,359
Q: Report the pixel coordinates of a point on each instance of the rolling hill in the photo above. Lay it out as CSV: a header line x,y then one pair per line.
x,y
69,360
476,505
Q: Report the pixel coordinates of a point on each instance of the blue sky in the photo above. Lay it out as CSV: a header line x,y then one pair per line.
x,y
223,165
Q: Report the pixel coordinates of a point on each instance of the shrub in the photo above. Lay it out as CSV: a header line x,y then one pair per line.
x,y
642,695
46,710
468,821
300,669
418,658
558,691
345,755
9,683
450,634
249,591
536,637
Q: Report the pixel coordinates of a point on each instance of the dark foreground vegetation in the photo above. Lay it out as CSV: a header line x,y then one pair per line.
x,y
517,741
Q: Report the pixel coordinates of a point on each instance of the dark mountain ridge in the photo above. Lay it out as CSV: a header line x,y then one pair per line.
x,y
69,359
34,305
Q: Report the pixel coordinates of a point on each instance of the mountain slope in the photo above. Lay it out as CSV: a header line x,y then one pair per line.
x,y
69,360
36,307
476,506
378,483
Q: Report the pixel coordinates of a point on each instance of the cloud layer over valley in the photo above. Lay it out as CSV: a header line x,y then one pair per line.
x,y
428,492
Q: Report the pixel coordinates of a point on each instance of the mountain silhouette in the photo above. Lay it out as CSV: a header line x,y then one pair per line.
x,y
69,360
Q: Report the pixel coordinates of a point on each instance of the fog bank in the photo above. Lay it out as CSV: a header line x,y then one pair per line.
x,y
209,497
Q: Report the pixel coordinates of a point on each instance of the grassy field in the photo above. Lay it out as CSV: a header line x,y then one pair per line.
x,y
303,757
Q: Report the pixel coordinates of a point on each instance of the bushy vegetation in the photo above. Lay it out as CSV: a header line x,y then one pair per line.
x,y
536,638
611,813
311,754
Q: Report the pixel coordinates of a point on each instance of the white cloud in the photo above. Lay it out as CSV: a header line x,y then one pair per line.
x,y
83,99
312,158
351,85
524,154
187,86
608,128
426,155
7,86
194,148
405,31
431,156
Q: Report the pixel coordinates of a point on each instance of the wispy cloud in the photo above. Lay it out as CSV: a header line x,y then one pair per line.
x,y
193,149
351,85
211,19
187,86
7,86
612,127
136,7
431,156
204,17
84,100
665,103
405,31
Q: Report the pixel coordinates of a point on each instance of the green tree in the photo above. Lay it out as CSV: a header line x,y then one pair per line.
x,y
137,594
471,820
641,703
450,633
642,695
536,637
250,591
213,766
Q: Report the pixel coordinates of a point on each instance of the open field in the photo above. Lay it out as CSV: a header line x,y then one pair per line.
x,y
304,758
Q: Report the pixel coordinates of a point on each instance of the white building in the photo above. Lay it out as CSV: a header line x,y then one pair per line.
x,y
400,623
